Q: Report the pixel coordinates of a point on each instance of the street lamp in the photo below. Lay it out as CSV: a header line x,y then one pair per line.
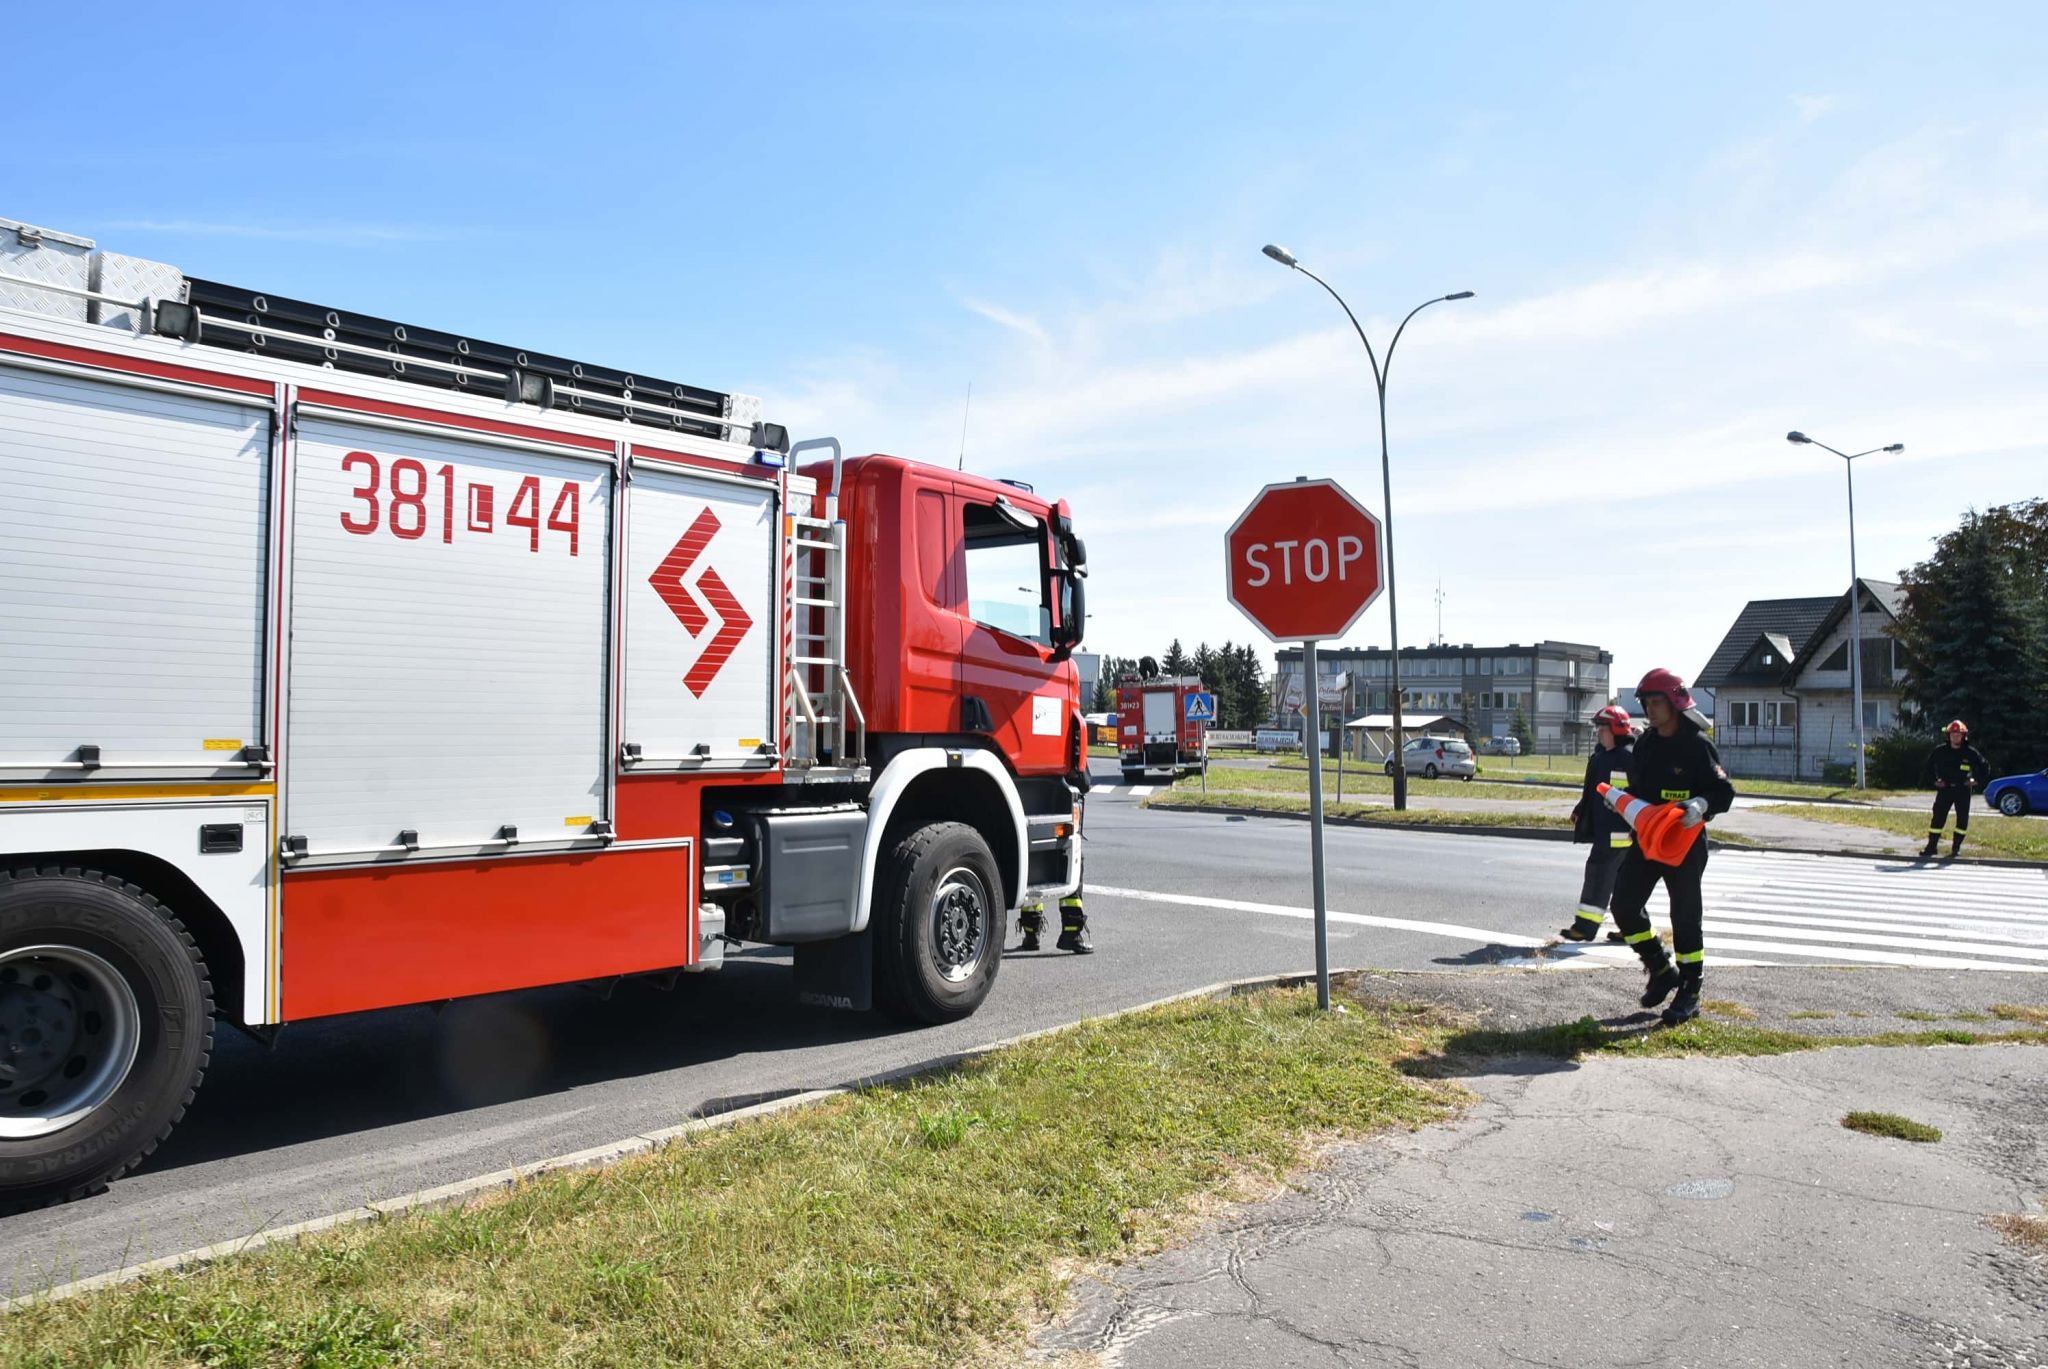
x,y
1855,587
1379,380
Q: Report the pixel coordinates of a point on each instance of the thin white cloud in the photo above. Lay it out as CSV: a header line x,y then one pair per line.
x,y
1815,107
1010,319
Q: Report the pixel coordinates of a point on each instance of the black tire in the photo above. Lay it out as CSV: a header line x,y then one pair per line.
x,y
1429,771
100,933
939,876
1390,769
2013,803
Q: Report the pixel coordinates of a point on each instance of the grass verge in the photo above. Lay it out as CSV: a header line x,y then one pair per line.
x,y
906,1225
1365,814
1292,778
2020,1012
2010,838
1891,1124
1636,1036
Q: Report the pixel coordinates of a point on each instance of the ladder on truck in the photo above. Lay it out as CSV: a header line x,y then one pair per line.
x,y
824,724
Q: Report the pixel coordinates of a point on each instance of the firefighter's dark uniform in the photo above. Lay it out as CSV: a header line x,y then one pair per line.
x,y
1073,925
1671,769
1956,771
1593,821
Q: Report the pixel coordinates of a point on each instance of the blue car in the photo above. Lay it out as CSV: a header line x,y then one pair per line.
x,y
2018,795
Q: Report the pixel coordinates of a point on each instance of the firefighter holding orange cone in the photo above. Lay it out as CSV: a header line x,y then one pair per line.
x,y
1675,784
1594,821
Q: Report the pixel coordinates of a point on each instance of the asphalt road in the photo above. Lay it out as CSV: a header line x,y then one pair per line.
x,y
356,1109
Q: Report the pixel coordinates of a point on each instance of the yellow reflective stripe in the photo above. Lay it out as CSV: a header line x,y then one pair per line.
x,y
1691,957
1674,795
1620,839
1071,901
1593,918
1637,938
87,792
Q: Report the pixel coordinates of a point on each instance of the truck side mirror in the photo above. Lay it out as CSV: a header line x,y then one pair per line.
x,y
1073,616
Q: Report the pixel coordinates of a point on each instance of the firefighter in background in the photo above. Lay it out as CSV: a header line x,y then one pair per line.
x,y
1593,821
1673,763
1073,925
1958,769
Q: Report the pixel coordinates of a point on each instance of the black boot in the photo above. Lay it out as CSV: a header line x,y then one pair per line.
x,y
1031,921
1663,974
1074,928
1686,1006
1933,845
1955,846
1583,928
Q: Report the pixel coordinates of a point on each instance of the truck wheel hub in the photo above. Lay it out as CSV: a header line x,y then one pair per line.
x,y
69,1028
959,920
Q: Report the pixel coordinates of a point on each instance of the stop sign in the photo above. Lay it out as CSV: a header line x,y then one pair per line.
x,y
1304,560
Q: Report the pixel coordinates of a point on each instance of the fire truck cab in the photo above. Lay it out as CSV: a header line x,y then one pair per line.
x,y
347,664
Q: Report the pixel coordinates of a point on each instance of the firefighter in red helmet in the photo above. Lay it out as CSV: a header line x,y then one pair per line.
x,y
1958,769
1673,763
1593,821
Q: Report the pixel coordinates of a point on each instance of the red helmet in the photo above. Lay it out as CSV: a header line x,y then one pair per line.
x,y
1958,726
1670,685
1614,718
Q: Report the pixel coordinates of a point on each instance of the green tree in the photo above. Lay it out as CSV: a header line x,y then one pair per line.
x,y
1518,727
1176,661
1974,630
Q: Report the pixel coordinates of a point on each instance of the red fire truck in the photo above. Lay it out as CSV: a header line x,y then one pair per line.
x,y
347,664
1155,736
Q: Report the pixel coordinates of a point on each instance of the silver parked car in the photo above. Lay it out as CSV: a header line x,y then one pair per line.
x,y
1431,757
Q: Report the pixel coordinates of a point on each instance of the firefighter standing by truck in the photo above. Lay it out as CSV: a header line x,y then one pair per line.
x,y
1593,821
1673,763
1958,770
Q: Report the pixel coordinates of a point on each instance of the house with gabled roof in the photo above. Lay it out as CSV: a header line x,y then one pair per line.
x,y
1783,699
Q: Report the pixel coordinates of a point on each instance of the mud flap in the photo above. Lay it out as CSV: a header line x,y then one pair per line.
x,y
839,973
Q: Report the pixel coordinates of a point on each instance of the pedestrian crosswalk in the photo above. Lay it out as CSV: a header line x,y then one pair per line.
x,y
1771,908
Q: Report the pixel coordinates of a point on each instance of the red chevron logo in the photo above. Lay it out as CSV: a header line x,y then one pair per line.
x,y
733,621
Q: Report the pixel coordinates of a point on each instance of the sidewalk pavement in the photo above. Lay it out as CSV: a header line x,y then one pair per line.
x,y
1608,1211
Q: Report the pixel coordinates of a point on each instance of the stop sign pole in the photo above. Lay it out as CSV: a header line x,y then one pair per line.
x,y
1303,562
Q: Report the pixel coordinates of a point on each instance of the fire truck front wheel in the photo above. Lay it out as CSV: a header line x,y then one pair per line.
x,y
106,1023
938,925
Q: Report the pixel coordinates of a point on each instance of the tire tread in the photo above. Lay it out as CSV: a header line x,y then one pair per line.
x,y
86,874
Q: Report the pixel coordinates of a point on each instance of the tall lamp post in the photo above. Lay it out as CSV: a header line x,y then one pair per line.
x,y
1855,587
1379,380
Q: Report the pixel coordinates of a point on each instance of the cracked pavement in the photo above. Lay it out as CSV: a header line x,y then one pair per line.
x,y
1608,1211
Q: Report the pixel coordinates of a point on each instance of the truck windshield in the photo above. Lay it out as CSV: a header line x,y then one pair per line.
x,y
1006,580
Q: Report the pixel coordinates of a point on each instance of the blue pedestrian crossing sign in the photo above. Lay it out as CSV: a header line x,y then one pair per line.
x,y
1201,708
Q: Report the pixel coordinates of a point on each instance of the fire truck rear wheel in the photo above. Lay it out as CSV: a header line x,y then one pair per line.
x,y
106,1025
938,925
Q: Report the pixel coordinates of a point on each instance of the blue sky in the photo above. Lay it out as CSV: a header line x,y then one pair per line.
x,y
1688,233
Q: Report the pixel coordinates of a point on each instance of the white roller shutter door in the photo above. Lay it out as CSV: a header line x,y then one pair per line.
x,y
450,601
700,618
134,527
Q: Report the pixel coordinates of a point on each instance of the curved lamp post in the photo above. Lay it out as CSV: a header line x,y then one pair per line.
x,y
1379,380
1855,586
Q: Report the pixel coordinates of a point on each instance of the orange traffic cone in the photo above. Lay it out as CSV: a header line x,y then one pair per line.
x,y
1659,831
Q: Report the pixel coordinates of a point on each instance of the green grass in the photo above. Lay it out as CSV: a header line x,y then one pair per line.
x,y
1293,779
2020,1012
917,1224
1701,1036
1572,770
2010,838
1186,796
1723,1007
1892,1125
1809,1015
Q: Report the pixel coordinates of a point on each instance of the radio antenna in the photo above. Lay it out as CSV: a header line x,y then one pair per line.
x,y
968,409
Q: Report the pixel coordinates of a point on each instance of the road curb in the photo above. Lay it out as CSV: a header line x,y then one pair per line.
x,y
641,1143
1564,834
